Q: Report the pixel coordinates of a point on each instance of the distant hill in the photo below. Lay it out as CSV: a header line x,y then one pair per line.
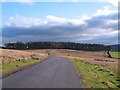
x,y
115,47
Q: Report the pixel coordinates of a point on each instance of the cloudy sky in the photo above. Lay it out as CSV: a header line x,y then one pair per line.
x,y
85,22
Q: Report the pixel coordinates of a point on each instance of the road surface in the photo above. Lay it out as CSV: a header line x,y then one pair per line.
x,y
56,72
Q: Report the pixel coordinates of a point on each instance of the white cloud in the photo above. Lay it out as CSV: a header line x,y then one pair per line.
x,y
62,21
53,20
105,11
112,22
21,21
85,39
76,21
113,2
84,28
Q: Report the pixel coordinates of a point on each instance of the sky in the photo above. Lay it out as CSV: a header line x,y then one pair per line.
x,y
73,21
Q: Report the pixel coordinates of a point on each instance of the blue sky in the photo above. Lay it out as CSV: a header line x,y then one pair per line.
x,y
85,22
42,9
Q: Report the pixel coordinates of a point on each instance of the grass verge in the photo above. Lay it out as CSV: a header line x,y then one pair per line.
x,y
115,54
11,67
95,76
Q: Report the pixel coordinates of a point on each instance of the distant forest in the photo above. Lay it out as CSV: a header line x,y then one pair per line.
x,y
57,45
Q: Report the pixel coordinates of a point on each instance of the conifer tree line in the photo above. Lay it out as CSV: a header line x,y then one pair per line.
x,y
57,45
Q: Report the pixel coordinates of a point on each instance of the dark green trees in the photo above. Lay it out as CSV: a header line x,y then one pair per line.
x,y
57,45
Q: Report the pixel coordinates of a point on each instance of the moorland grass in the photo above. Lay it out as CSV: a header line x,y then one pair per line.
x,y
95,76
115,54
13,66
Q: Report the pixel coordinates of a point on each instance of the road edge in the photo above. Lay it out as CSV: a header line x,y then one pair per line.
x,y
77,73
22,68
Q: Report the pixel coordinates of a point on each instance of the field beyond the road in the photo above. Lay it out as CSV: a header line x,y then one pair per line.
x,y
115,54
96,68
15,60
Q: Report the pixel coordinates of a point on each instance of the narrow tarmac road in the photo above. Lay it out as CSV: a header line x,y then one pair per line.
x,y
56,72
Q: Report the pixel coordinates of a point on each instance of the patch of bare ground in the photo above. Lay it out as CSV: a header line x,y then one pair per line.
x,y
18,55
98,58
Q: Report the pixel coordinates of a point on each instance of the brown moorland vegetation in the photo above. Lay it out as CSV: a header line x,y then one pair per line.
x,y
18,55
98,58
